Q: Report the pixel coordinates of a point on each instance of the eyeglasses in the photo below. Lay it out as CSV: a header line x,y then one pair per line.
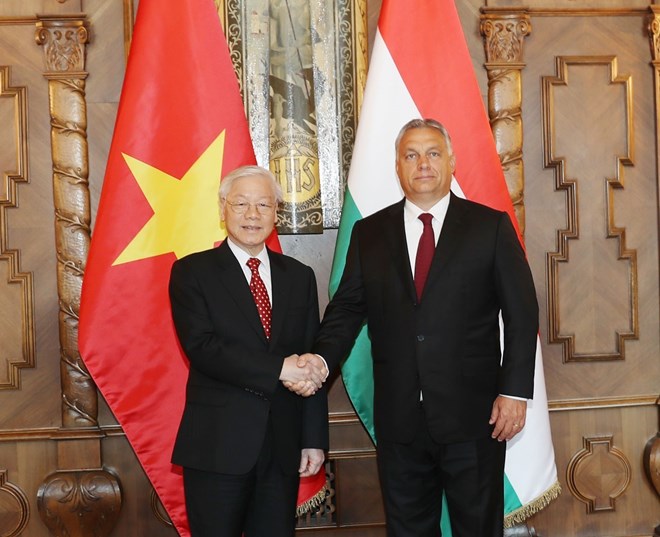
x,y
241,207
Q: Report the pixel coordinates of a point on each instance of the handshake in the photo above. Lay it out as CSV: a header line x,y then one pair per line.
x,y
303,374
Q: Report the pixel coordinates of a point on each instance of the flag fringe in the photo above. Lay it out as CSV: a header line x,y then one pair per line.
x,y
523,513
314,502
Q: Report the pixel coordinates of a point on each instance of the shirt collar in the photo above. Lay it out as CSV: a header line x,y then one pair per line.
x,y
242,256
411,211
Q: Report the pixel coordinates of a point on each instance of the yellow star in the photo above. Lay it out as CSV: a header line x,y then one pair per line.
x,y
186,216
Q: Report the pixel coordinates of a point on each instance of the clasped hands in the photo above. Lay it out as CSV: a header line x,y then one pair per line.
x,y
303,374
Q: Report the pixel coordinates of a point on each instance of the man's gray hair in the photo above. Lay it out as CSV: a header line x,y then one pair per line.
x,y
427,123
249,171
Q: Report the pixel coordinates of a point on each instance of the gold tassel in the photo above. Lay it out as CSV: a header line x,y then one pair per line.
x,y
523,513
314,502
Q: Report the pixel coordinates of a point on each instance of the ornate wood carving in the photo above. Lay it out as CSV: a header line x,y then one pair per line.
x,y
17,96
75,502
80,503
63,40
504,31
598,474
652,450
652,461
14,506
159,511
128,11
654,33
572,231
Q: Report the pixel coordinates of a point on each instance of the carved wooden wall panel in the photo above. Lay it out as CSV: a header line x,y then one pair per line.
x,y
594,145
609,298
592,239
15,507
598,474
24,461
27,315
614,469
17,346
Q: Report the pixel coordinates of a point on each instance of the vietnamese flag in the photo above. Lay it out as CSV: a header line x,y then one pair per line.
x,y
180,127
421,68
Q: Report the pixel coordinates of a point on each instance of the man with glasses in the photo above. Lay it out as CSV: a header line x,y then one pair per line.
x,y
242,314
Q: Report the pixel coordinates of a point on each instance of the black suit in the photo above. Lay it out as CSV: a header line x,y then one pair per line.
x,y
236,408
447,346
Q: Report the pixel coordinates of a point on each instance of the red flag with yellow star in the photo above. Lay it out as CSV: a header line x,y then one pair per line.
x,y
180,127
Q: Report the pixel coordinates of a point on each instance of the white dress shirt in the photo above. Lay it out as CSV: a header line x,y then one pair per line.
x,y
414,226
264,267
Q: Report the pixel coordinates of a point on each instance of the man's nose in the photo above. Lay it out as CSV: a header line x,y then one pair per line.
x,y
252,211
423,161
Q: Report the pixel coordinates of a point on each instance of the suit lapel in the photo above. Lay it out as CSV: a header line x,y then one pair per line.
x,y
231,276
281,290
450,239
395,233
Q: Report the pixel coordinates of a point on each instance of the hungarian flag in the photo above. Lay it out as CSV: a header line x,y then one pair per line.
x,y
180,127
421,68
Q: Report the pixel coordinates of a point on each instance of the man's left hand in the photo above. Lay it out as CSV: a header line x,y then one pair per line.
x,y
508,416
311,460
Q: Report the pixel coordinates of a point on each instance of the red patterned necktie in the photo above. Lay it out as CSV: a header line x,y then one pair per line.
x,y
425,252
260,295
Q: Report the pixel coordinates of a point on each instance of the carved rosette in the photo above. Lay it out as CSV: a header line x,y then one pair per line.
x,y
80,503
504,32
63,40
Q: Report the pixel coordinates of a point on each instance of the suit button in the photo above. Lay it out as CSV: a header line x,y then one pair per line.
x,y
420,337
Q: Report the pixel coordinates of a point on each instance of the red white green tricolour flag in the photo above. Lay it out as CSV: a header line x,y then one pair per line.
x,y
180,127
420,68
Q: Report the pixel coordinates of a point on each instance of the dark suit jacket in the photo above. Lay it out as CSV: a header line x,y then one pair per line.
x,y
448,345
233,384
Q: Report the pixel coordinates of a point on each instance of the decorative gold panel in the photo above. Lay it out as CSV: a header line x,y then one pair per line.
x,y
340,63
17,99
570,186
598,474
14,506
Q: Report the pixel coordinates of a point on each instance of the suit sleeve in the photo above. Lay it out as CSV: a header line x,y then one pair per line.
x,y
315,408
347,310
238,363
517,298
